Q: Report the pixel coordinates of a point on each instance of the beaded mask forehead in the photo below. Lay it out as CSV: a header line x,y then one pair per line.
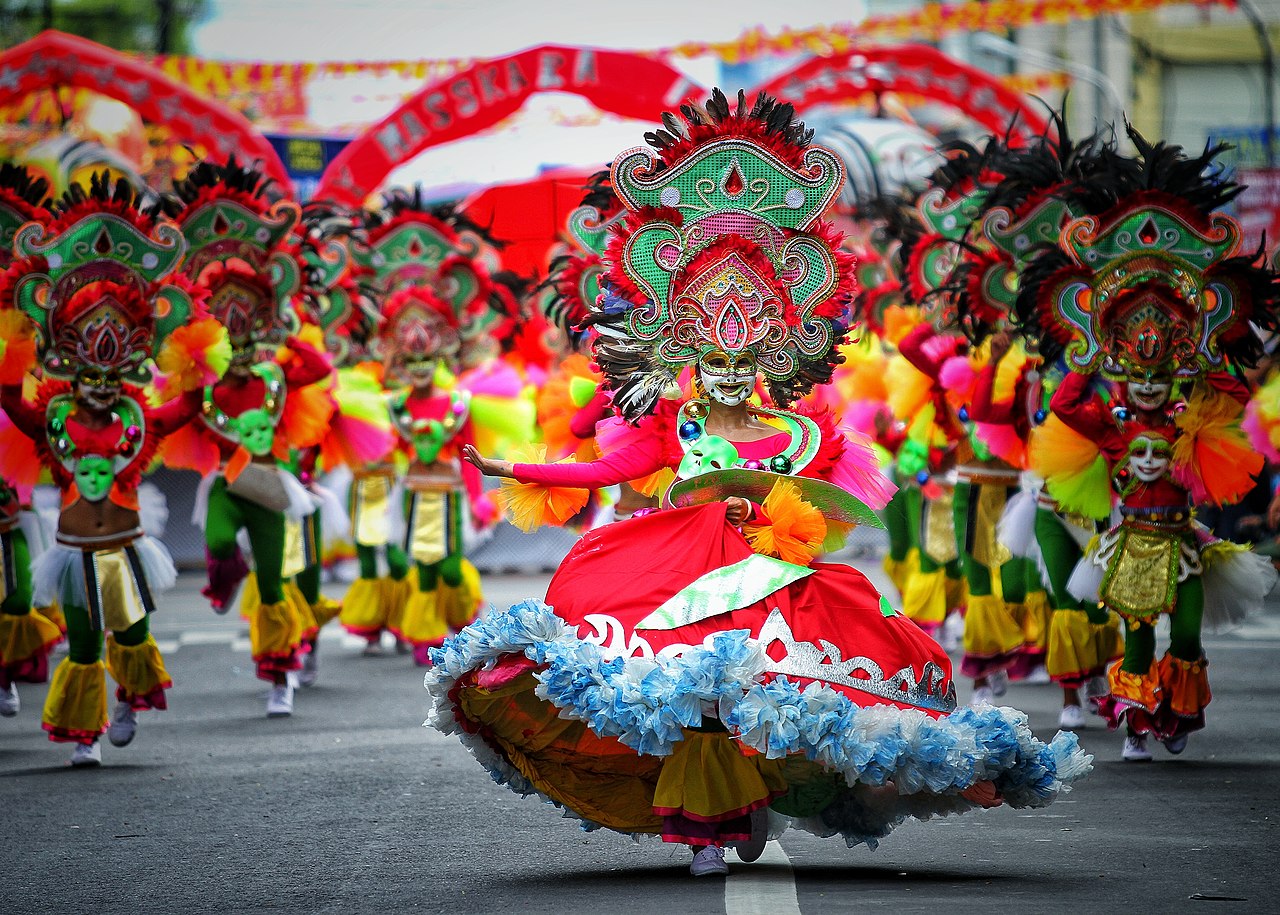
x,y
721,248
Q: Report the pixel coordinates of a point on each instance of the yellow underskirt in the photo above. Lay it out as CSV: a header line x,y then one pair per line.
x,y
598,779
707,778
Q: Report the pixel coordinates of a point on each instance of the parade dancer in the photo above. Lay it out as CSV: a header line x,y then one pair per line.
x,y
1175,307
1005,619
1009,406
241,253
649,693
27,635
424,273
96,287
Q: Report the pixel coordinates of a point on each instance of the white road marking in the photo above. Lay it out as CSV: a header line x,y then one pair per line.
x,y
753,889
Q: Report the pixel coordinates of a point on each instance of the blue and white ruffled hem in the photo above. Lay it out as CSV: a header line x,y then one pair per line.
x,y
645,703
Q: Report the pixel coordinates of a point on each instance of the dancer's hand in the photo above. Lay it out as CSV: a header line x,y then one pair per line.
x,y
488,466
739,510
1001,343
984,794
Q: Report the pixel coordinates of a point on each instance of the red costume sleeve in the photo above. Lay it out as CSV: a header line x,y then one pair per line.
x,y
1226,383
1076,405
171,416
309,366
912,349
583,423
929,359
983,409
628,463
28,420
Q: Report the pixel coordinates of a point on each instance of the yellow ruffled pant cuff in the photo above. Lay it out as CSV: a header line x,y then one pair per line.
x,y
460,605
1079,649
1185,685
1035,615
324,610
274,630
250,599
363,609
957,593
395,597
137,669
301,609
901,570
75,709
25,637
53,613
925,600
990,628
423,622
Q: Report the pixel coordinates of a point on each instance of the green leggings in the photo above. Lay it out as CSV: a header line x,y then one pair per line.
x,y
449,569
227,515
397,561
1061,553
1184,631
1014,574
85,643
898,525
18,601
308,580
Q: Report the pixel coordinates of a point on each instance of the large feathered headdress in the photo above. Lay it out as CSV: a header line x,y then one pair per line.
x,y
97,280
240,248
425,269
1154,279
722,248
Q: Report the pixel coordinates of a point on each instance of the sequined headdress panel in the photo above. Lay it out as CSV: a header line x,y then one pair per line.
x,y
722,248
97,282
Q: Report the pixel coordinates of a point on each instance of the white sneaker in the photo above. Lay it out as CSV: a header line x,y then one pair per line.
x,y
952,633
86,755
373,650
753,848
310,669
709,863
982,696
999,682
1176,745
1071,717
1135,749
9,702
1039,675
124,725
280,701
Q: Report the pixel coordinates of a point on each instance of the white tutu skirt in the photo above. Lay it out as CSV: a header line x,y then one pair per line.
x,y
58,575
153,509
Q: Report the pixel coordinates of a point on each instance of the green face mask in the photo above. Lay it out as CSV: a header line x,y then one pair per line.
x,y
257,432
428,439
94,475
711,452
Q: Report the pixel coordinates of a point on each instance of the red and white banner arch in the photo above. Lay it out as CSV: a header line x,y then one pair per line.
x,y
54,59
617,82
918,71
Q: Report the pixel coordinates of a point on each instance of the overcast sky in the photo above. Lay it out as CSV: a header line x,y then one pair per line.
x,y
434,29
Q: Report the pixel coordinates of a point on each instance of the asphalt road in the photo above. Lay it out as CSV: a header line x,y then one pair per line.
x,y
352,806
